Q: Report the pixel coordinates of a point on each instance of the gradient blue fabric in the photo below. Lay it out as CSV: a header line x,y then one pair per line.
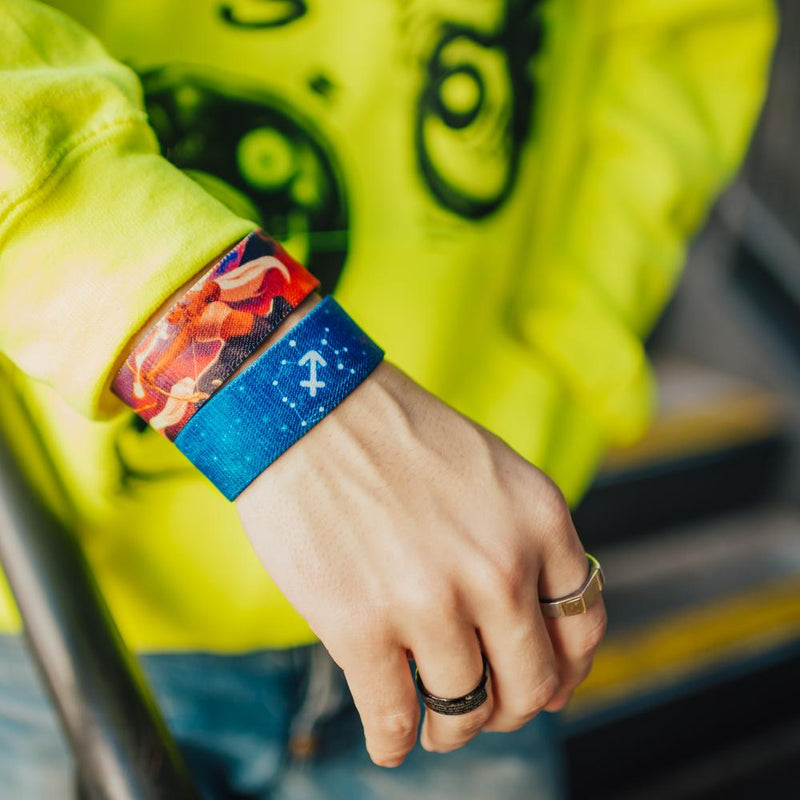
x,y
265,409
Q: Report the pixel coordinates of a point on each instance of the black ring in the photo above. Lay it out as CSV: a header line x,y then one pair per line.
x,y
457,705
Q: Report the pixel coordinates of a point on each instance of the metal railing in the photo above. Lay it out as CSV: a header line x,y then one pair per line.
x,y
121,744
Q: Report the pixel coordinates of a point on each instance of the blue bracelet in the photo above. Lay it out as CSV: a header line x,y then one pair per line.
x,y
265,409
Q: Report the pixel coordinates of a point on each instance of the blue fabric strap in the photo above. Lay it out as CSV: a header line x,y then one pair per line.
x,y
265,409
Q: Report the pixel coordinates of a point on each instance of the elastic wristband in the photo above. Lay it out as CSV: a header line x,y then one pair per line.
x,y
265,409
207,334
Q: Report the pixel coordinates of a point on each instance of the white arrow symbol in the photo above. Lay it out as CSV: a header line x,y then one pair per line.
x,y
312,358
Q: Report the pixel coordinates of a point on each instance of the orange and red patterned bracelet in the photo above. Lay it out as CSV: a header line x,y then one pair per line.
x,y
225,316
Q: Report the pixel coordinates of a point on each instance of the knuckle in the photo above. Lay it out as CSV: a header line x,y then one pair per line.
x,y
398,726
466,726
560,700
580,677
534,701
504,726
504,577
593,637
583,644
517,579
469,726
434,595
573,677
551,507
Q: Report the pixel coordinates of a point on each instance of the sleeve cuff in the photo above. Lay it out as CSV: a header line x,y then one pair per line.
x,y
114,231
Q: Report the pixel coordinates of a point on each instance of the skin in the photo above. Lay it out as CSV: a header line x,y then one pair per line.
x,y
399,528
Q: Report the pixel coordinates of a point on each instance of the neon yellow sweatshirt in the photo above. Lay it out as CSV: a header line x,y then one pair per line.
x,y
500,193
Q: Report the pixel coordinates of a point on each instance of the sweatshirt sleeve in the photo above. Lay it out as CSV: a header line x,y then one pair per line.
x,y
663,104
645,110
96,228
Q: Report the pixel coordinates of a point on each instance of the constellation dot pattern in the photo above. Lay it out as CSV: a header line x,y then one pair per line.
x,y
265,409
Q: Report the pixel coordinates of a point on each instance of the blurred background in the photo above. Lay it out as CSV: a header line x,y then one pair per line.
x,y
694,694
698,525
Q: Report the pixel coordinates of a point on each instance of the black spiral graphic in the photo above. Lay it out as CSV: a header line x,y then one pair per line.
x,y
486,119
262,13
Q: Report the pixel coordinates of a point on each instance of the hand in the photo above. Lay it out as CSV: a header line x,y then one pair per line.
x,y
399,527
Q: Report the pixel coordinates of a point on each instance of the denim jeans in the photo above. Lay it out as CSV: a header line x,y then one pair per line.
x,y
269,725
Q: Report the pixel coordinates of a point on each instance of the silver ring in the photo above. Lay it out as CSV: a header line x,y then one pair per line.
x,y
581,601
